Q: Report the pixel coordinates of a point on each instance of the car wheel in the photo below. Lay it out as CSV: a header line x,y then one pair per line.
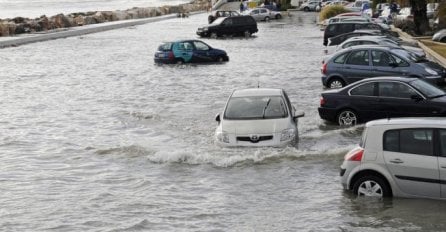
x,y
214,35
278,16
247,34
220,59
266,19
443,40
371,186
335,83
179,61
347,117
306,9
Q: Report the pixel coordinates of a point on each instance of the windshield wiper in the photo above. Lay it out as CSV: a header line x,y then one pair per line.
x,y
266,106
437,96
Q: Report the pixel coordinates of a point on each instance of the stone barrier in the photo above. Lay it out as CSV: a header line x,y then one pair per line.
x,y
20,25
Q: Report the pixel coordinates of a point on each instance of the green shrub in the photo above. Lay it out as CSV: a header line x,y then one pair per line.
x,y
331,11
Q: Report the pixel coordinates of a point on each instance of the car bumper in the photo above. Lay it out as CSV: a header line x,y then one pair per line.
x,y
327,114
203,33
324,80
274,142
436,80
163,61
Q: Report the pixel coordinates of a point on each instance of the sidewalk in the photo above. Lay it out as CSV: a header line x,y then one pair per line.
x,y
429,52
81,30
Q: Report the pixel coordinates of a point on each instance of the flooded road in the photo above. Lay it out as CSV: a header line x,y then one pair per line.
x,y
95,137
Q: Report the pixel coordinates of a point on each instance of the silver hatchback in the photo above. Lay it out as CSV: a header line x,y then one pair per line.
x,y
401,157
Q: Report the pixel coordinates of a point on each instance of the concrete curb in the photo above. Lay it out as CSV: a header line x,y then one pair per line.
x,y
82,30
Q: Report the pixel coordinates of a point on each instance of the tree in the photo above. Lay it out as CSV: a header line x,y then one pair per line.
x,y
419,16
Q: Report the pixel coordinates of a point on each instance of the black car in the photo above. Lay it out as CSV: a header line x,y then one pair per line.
x,y
235,25
382,97
336,40
335,29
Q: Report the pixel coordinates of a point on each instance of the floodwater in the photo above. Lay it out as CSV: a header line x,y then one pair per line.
x,y
95,137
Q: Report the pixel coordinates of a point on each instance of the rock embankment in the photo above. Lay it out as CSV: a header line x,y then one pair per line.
x,y
20,25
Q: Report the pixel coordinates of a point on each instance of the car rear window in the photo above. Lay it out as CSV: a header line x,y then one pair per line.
x,y
165,47
256,107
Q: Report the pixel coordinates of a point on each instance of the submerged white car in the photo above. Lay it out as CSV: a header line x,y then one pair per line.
x,y
257,117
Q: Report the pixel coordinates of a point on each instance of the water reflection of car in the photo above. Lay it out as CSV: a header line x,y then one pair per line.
x,y
263,14
364,61
188,51
382,97
257,117
221,13
401,157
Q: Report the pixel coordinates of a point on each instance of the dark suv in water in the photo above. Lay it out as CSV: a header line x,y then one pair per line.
x,y
235,25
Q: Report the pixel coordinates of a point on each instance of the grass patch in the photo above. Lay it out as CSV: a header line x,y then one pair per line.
x,y
438,48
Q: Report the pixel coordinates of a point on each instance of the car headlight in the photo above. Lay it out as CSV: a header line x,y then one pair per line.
x,y
287,134
205,29
223,137
430,71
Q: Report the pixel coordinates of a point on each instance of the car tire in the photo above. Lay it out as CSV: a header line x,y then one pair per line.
x,y
306,9
347,117
247,34
371,186
214,35
335,83
220,59
179,61
267,19
443,40
278,16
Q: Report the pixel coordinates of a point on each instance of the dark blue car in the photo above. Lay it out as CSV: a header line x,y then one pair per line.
x,y
188,51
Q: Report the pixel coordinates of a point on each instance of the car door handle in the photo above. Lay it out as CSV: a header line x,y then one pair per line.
x,y
396,161
443,166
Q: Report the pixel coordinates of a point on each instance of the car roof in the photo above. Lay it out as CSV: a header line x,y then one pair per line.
x,y
183,40
418,122
257,92
386,78
350,22
368,37
373,46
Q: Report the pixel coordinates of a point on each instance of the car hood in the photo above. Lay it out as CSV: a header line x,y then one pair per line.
x,y
418,51
434,66
260,126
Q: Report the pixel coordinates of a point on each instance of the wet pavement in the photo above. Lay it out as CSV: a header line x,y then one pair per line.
x,y
95,137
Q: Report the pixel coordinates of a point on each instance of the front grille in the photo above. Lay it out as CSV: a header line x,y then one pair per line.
x,y
254,139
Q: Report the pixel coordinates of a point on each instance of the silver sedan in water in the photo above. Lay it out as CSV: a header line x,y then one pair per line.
x,y
257,117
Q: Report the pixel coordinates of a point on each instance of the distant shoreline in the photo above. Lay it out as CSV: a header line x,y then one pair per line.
x,y
21,25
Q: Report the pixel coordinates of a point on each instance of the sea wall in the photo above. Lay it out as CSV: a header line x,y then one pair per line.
x,y
20,25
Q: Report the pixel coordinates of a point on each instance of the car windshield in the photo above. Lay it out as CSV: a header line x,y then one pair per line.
x,y
427,89
256,107
409,55
218,21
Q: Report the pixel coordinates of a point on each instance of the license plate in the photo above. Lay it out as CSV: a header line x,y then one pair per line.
x,y
161,55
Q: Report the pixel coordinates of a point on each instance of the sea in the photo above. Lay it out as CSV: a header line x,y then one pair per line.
x,y
37,8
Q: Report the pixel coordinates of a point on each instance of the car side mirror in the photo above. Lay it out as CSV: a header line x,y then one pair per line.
x,y
416,98
298,115
217,118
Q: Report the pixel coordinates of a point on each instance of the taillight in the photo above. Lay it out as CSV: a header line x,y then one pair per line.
x,y
323,101
354,155
324,68
170,55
